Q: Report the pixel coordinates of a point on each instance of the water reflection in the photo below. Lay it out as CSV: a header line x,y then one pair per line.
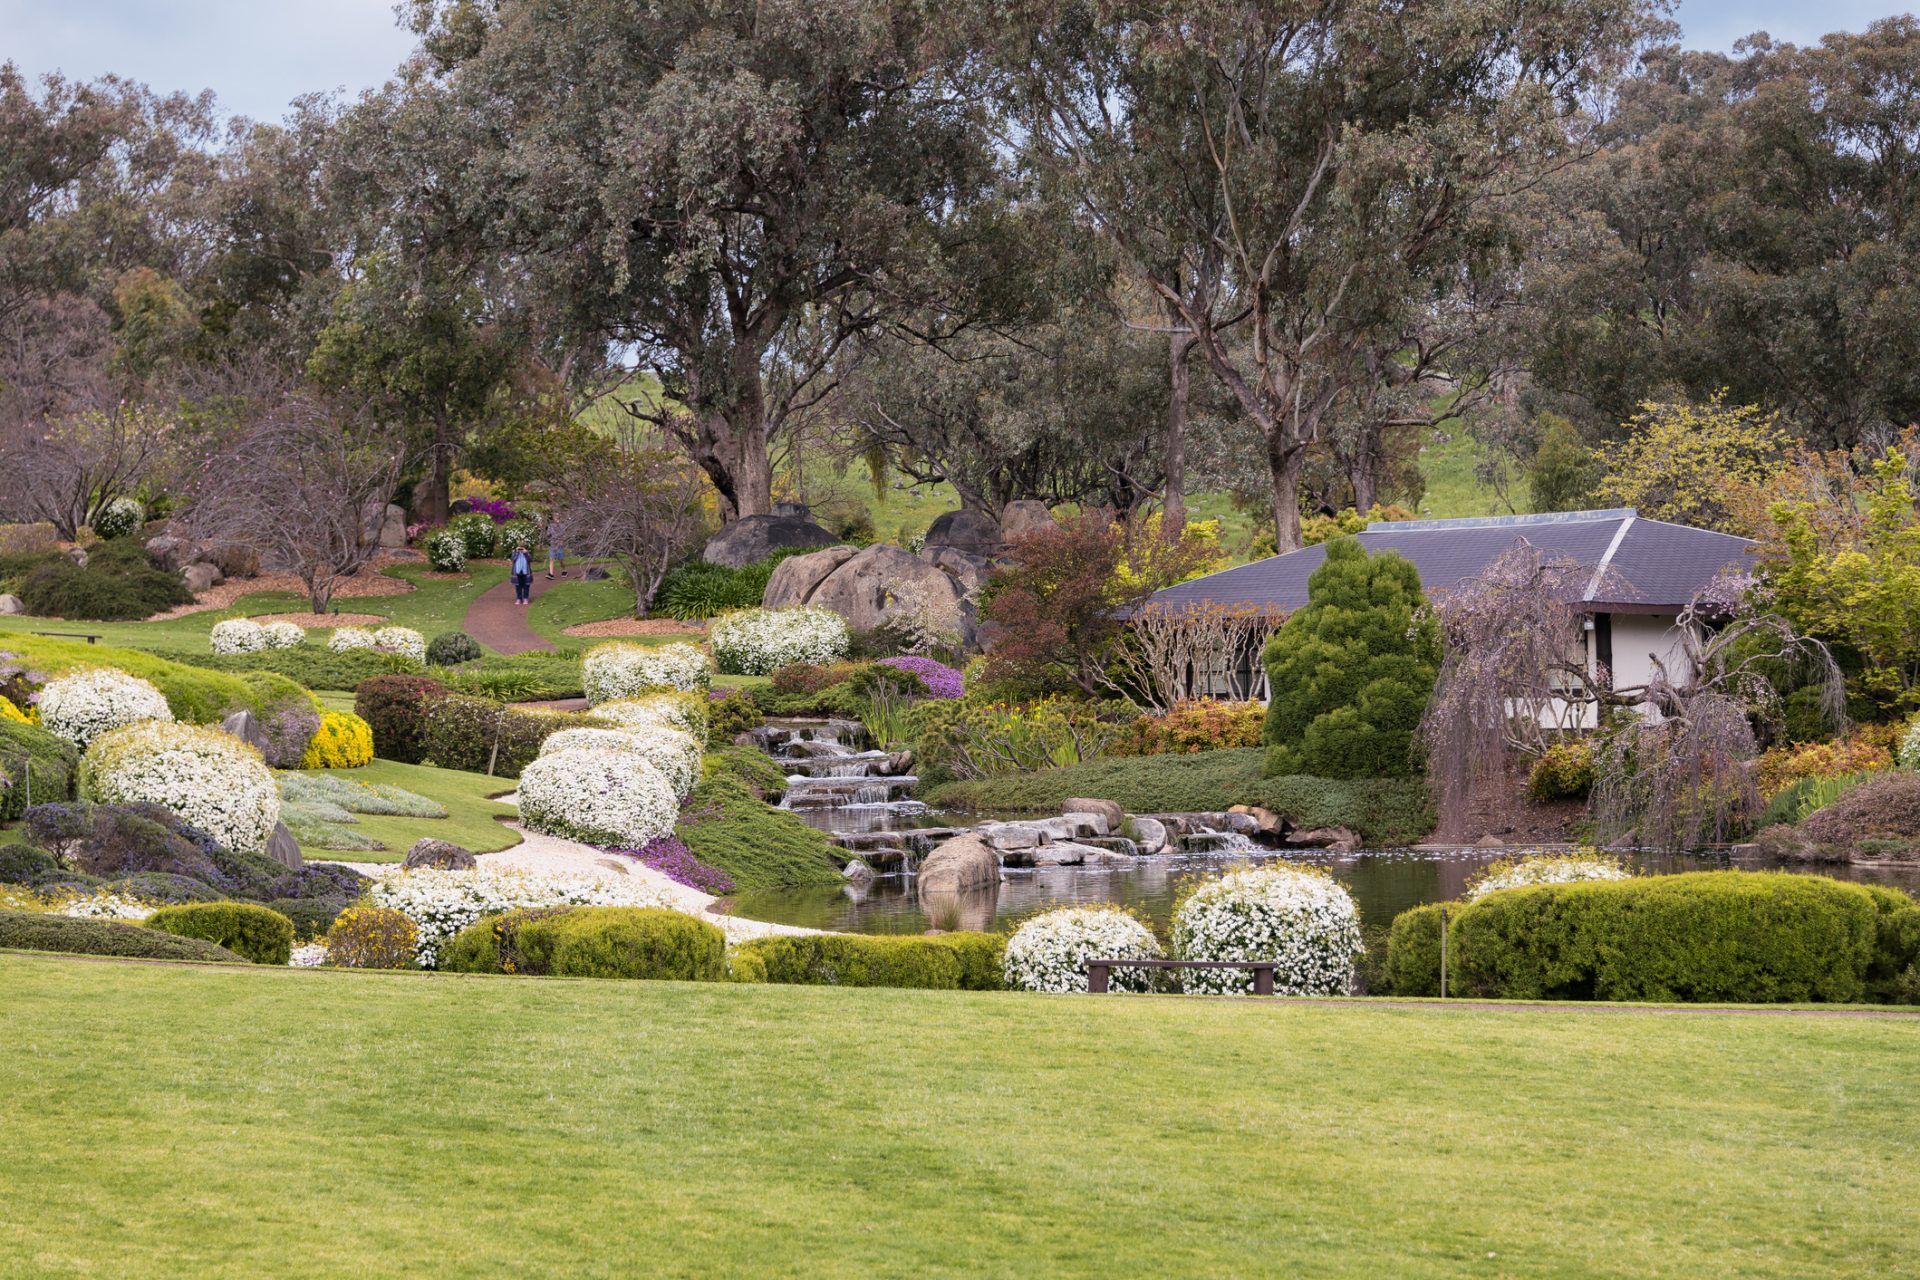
x,y
1383,882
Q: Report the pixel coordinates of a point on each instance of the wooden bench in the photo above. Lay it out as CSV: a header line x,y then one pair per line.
x,y
89,637
1098,971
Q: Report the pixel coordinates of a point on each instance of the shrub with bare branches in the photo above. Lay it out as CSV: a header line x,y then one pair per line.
x,y
1174,653
639,506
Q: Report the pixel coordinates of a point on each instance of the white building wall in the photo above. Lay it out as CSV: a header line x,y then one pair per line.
x,y
1638,639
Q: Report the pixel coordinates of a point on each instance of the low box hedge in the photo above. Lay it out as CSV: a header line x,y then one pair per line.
x,y
1737,936
944,962
258,933
480,735
591,942
33,931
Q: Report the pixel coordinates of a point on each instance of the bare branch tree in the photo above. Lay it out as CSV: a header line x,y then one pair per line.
x,y
297,483
1174,654
637,505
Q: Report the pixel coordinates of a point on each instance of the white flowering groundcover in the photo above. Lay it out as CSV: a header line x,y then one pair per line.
x,y
237,635
442,903
686,712
1050,952
208,777
345,638
1299,918
82,705
597,795
404,641
1525,869
674,753
756,642
621,670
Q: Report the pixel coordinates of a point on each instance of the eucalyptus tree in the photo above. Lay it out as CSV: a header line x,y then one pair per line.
x,y
1351,166
727,193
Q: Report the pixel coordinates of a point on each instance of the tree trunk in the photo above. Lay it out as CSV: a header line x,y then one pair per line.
x,y
1286,463
320,593
1363,470
1179,373
430,495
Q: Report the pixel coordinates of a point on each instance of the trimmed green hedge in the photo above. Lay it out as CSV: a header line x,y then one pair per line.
x,y
1384,811
479,735
194,694
311,665
725,825
1738,936
944,962
32,931
591,942
34,763
258,933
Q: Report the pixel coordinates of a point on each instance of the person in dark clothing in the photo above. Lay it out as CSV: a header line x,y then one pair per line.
x,y
522,570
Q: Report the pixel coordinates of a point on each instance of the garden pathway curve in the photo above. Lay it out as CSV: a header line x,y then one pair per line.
x,y
498,623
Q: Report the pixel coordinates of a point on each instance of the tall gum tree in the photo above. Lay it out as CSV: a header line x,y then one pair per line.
x,y
728,195
1349,165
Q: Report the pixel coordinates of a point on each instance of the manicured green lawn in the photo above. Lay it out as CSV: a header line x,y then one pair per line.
x,y
470,822
168,1120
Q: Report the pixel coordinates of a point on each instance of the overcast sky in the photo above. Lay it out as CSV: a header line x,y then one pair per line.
x,y
258,55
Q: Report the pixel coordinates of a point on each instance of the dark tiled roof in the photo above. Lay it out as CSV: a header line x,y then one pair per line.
x,y
1654,565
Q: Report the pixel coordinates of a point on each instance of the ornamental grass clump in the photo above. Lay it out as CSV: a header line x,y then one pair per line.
x,y
82,706
597,795
755,642
1050,952
1531,868
206,777
237,635
619,669
1300,919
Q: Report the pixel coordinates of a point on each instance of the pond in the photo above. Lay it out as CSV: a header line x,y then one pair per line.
x,y
1383,882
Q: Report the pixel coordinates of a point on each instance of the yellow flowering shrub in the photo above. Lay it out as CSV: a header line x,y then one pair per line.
x,y
343,741
10,712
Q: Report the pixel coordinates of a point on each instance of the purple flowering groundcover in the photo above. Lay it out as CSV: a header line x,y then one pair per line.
x,y
673,860
942,681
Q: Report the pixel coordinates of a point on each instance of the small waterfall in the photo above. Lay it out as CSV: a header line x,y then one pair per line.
x,y
1207,840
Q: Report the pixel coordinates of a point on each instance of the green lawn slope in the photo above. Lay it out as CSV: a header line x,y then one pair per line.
x,y
472,820
244,1122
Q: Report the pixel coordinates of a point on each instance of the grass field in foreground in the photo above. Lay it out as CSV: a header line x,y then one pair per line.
x,y
470,822
166,1120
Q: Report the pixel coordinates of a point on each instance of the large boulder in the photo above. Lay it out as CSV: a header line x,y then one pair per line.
x,y
201,576
959,865
968,571
754,538
1019,519
1112,813
284,849
246,726
10,603
393,529
1150,834
873,588
975,532
795,579
440,855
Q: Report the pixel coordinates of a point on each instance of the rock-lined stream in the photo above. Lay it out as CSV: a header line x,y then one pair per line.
x,y
861,797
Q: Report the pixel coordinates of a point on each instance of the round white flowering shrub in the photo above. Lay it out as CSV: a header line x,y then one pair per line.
x,y
1909,753
120,518
1299,918
1545,868
208,777
686,712
404,641
597,795
237,635
345,638
447,551
621,670
283,635
442,903
675,754
755,642
1050,952
85,704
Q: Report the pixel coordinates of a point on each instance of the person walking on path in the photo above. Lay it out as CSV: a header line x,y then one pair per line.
x,y
556,553
522,570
